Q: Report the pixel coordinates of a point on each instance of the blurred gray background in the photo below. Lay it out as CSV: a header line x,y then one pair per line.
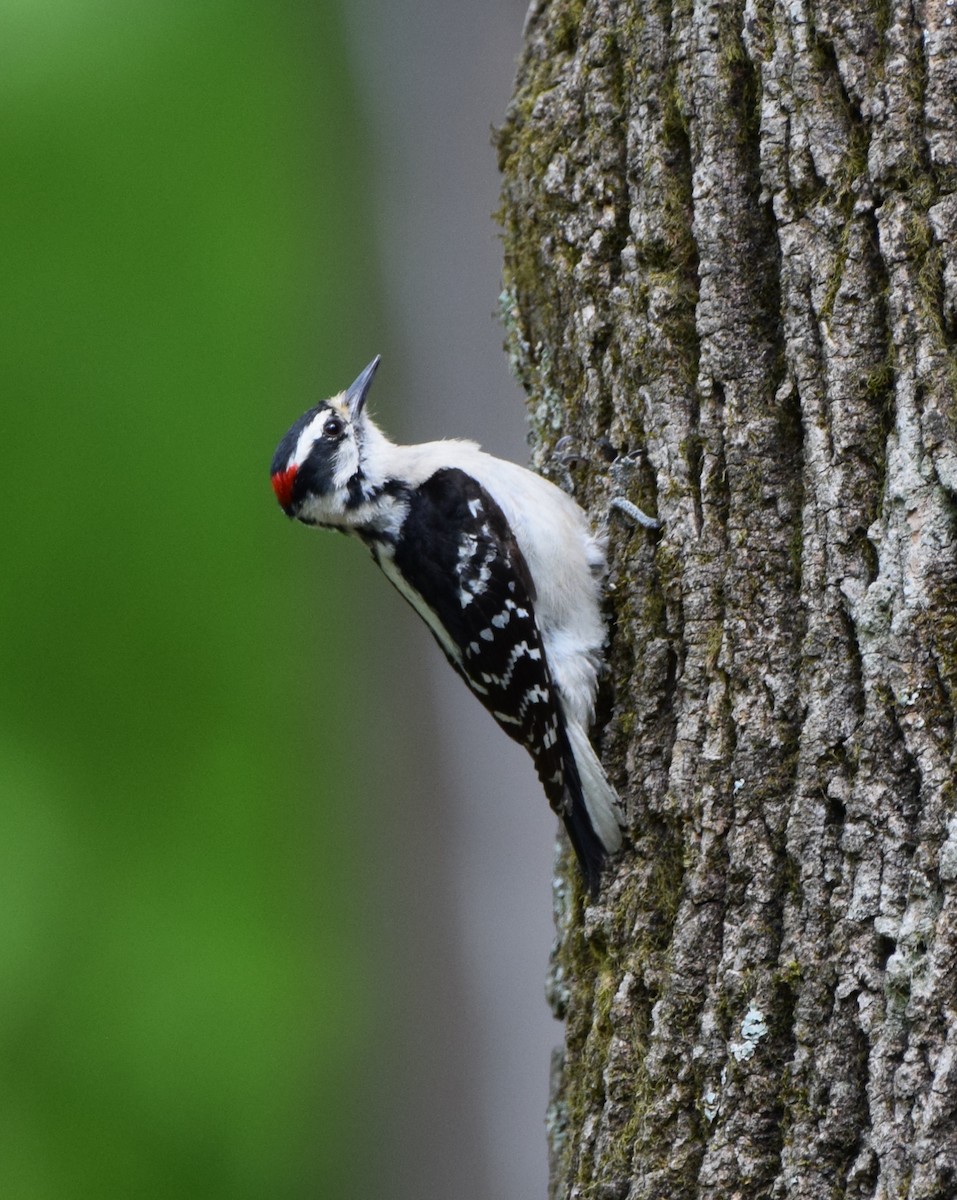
x,y
435,78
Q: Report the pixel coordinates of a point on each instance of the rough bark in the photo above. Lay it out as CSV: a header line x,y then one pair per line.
x,y
731,282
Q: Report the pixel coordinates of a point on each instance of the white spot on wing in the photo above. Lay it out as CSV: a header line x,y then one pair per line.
x,y
507,718
534,695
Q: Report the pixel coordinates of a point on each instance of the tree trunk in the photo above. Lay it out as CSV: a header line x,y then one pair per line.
x,y
731,282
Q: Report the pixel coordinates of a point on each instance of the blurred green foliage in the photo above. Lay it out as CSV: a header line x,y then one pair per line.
x,y
185,262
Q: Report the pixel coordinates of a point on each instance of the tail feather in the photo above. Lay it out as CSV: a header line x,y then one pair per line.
x,y
599,796
588,849
591,818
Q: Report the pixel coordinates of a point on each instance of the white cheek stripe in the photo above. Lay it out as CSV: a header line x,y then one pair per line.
x,y
308,438
347,461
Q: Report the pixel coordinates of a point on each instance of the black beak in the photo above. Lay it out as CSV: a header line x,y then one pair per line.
x,y
356,395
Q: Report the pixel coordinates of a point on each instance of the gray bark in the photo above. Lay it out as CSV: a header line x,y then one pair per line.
x,y
731,280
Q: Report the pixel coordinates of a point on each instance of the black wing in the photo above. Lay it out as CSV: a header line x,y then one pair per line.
x,y
456,533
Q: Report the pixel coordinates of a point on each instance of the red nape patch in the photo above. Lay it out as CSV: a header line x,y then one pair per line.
x,y
282,483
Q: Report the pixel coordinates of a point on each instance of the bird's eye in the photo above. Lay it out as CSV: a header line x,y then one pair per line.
x,y
332,428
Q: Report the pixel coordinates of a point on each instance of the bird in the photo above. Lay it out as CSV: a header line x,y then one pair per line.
x,y
503,567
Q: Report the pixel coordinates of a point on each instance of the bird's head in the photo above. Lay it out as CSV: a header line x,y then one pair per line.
x,y
317,468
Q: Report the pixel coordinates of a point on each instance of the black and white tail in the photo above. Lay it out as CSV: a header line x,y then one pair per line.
x,y
589,807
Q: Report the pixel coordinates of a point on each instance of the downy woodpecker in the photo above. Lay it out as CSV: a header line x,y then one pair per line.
x,y
501,565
